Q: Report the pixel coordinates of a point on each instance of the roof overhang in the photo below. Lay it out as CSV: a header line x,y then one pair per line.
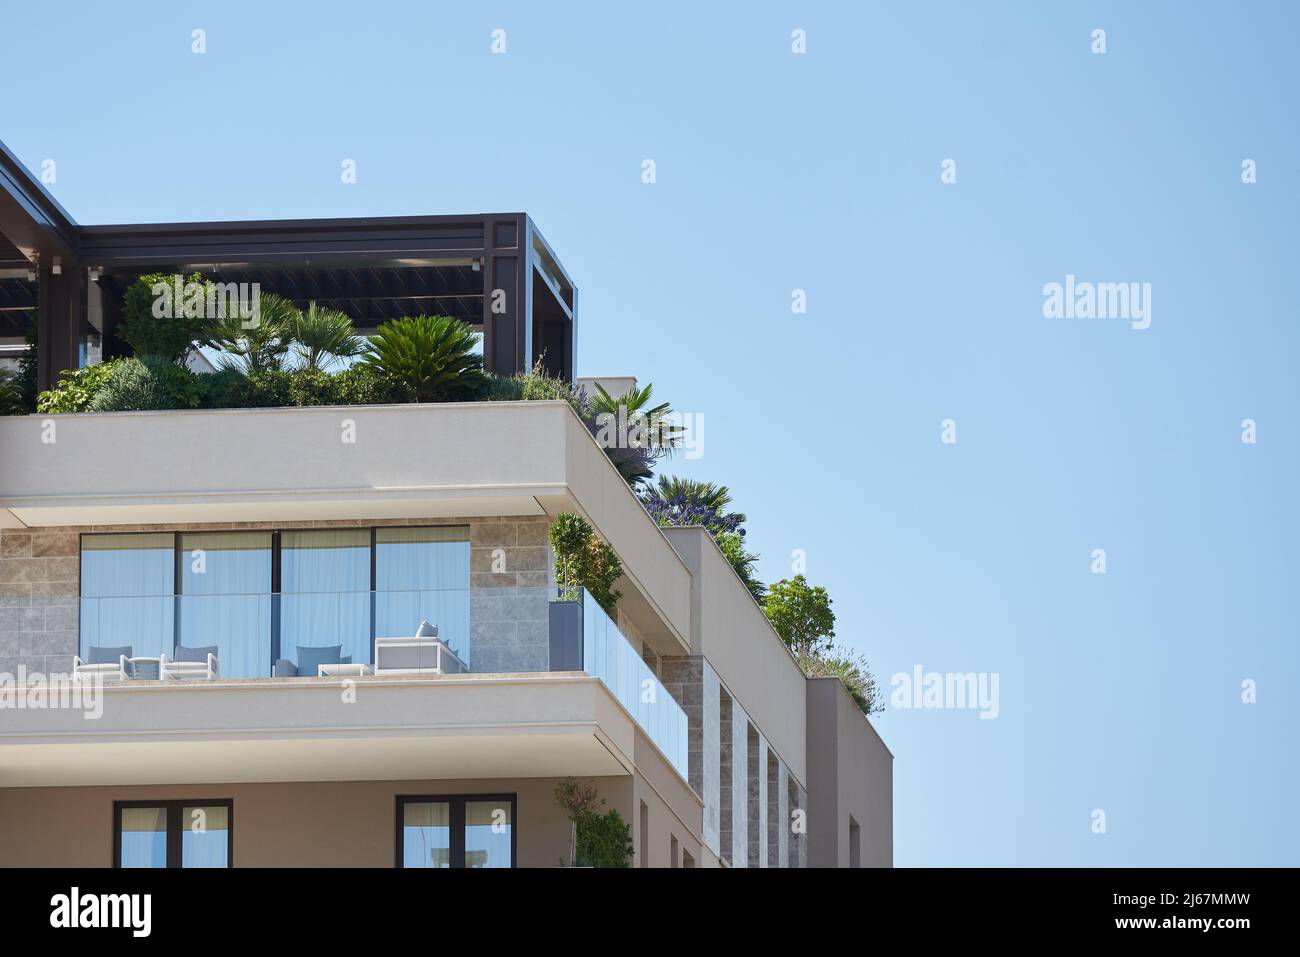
x,y
32,223
460,459
267,730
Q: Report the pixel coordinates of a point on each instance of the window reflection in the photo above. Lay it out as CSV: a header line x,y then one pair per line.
x,y
225,599
426,834
126,593
143,837
422,574
457,831
487,833
205,836
325,592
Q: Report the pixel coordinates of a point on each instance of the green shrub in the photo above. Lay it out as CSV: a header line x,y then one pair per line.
x,y
363,384
853,670
148,334
225,389
434,355
532,386
269,389
76,388
272,389
11,395
313,387
150,382
603,840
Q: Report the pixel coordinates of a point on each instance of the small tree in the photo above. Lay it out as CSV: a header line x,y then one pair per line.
x,y
596,838
604,840
582,559
801,614
578,799
149,334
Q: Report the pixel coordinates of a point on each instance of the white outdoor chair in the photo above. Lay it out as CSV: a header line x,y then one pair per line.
x,y
118,670
199,669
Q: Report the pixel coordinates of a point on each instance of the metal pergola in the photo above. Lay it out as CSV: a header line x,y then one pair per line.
x,y
494,271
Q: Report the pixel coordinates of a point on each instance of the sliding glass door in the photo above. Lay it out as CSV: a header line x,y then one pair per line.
x,y
225,599
127,588
422,574
325,593
252,597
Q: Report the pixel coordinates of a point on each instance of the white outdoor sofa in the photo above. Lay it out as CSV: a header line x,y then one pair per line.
x,y
424,653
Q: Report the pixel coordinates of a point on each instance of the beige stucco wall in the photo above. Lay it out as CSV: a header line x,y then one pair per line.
x,y
851,774
326,824
732,633
311,824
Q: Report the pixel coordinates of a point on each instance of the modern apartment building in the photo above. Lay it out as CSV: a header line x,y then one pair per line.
x,y
375,665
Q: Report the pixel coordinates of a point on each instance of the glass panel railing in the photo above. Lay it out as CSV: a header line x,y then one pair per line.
x,y
398,631
285,634
609,656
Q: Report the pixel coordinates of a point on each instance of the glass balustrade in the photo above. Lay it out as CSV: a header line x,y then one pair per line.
x,y
391,631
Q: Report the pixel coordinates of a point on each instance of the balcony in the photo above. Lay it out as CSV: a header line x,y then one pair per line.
x,y
369,636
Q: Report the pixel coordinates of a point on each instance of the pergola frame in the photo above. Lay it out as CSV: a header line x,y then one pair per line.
x,y
495,271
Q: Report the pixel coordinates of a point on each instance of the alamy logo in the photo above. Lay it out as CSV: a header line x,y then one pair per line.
x,y
73,910
208,300
946,690
1100,300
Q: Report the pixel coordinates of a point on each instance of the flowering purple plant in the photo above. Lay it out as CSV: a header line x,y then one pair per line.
x,y
680,511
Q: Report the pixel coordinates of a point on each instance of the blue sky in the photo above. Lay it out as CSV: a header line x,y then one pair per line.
x,y
821,172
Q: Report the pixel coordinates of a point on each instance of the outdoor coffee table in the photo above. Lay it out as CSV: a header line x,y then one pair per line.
x,y
353,670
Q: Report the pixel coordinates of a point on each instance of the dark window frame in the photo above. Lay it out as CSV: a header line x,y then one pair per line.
x,y
175,826
456,804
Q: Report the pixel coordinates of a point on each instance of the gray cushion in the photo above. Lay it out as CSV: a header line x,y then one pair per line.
x,y
309,658
195,654
426,630
107,656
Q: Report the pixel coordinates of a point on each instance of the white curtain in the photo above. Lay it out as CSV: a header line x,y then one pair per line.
x,y
225,599
126,592
325,591
423,574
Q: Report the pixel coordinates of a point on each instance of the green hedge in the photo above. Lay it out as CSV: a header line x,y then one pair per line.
x,y
154,383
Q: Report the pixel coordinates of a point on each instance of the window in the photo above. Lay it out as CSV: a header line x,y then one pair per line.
x,y
173,833
225,599
422,574
456,831
325,592
127,584
645,835
258,596
855,843
672,850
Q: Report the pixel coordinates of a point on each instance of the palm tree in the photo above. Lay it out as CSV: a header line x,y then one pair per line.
x,y
434,355
694,492
633,455
634,404
260,346
323,336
